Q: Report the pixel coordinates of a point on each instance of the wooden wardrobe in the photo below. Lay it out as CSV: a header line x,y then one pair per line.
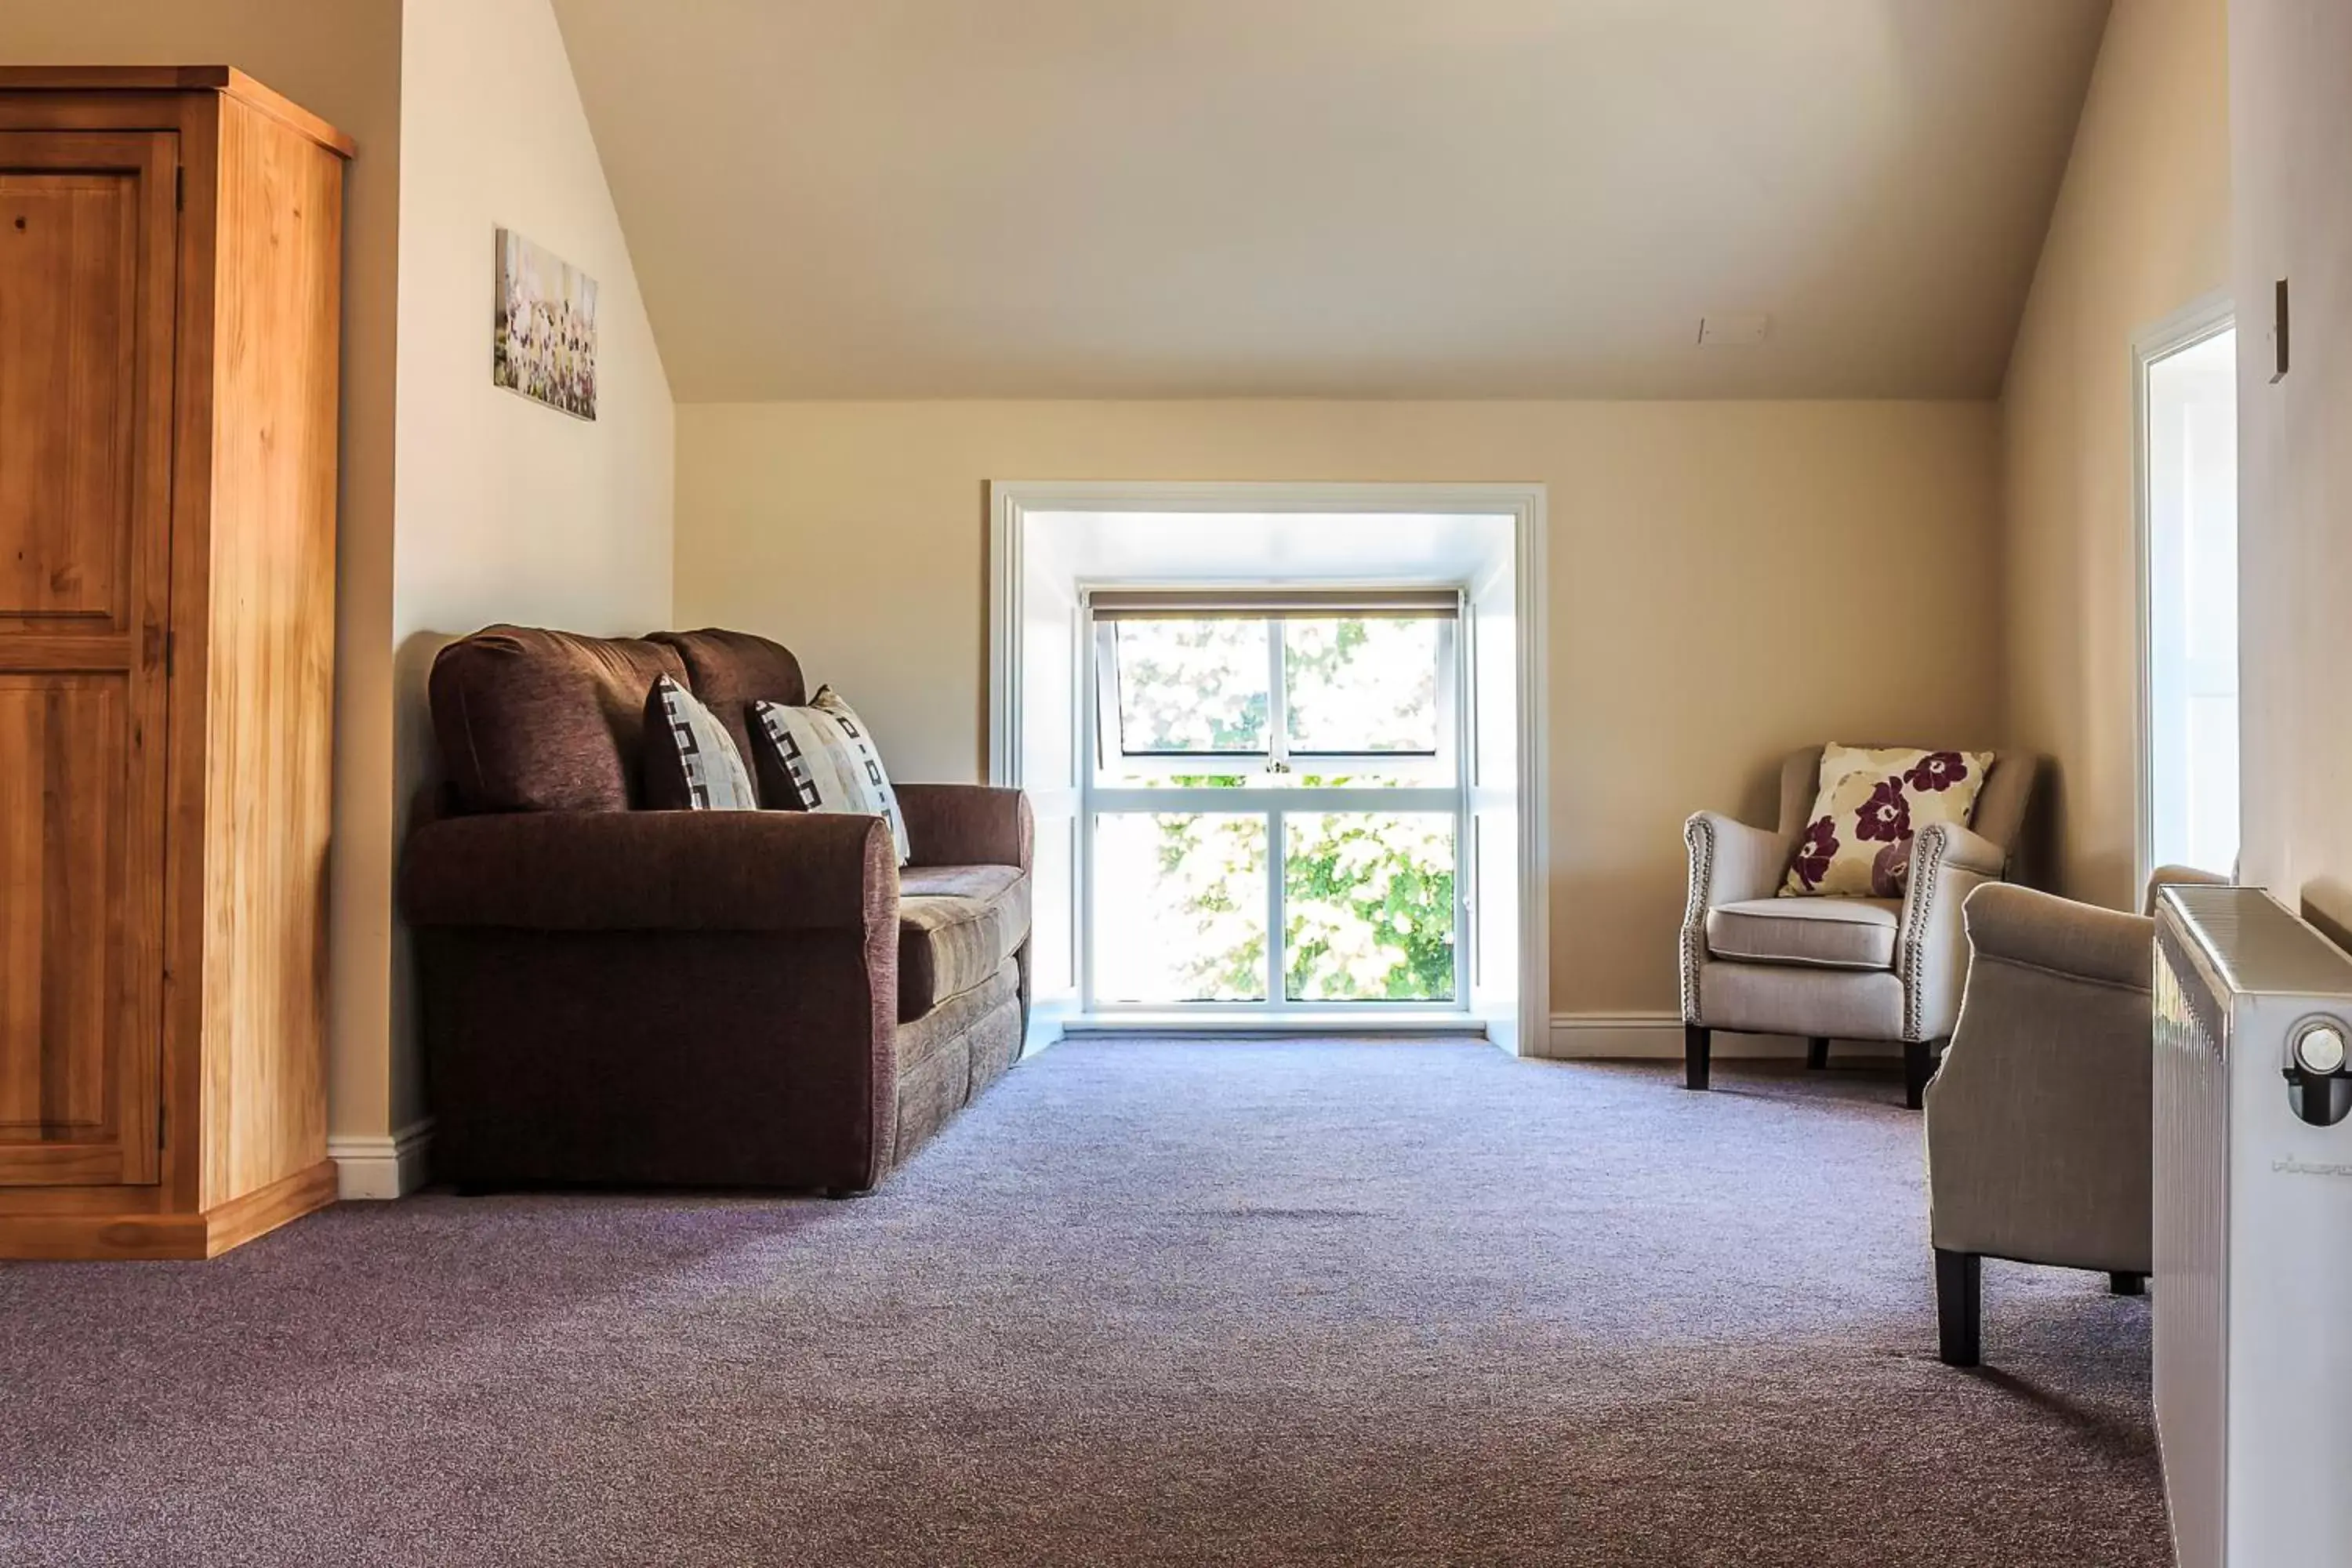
x,y
170,282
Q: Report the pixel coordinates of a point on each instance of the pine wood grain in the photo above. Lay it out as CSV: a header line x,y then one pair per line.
x,y
166,633
159,1237
87,250
228,80
271,653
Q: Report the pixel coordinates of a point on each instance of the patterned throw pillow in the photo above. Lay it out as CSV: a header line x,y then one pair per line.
x,y
1857,840
821,758
691,763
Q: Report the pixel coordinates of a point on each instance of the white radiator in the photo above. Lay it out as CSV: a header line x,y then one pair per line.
x,y
2253,1233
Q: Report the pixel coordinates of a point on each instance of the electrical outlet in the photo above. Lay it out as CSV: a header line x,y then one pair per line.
x,y
1733,329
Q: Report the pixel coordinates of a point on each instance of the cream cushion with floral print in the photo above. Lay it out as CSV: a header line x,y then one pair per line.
x,y
1857,838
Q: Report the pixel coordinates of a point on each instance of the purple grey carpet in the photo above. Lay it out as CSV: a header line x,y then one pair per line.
x,y
1146,1303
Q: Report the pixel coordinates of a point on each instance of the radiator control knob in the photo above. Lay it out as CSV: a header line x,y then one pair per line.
x,y
2319,1049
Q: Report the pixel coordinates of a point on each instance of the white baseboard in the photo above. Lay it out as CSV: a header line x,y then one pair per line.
x,y
1046,1016
1658,1037
374,1167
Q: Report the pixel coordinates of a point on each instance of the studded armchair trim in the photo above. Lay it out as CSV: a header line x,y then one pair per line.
x,y
1698,839
1947,863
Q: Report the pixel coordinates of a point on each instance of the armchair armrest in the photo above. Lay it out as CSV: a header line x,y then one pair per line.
x,y
653,870
2074,941
1730,862
1957,846
1948,864
2165,877
966,825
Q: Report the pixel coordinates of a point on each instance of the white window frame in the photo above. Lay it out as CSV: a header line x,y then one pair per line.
x,y
1275,804
1506,643
2207,317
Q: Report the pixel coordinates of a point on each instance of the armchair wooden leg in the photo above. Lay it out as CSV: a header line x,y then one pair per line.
x,y
2127,1284
1695,1056
1918,1067
1817,1052
1959,1308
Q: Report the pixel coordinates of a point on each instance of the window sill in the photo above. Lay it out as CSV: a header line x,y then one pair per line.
x,y
1248,1021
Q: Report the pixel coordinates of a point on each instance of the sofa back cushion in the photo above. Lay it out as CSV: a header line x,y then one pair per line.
x,y
542,721
732,670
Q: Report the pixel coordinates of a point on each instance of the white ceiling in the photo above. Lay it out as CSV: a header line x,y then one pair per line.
x,y
1027,198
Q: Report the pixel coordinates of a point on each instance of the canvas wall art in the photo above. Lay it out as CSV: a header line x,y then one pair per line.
x,y
544,342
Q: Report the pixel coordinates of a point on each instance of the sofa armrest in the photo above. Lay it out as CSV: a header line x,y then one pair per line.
x,y
653,870
1948,864
966,825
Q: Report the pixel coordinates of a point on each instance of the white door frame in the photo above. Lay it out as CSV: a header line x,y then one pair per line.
x,y
2207,316
1524,504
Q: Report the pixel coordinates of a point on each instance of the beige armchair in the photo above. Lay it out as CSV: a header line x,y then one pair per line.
x,y
1836,968
2039,1127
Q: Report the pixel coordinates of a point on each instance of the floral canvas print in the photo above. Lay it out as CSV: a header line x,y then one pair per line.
x,y
545,334
1857,839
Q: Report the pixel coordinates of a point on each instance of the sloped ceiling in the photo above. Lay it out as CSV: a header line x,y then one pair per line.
x,y
1508,198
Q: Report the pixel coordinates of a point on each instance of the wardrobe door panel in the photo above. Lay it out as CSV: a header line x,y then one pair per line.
x,y
88,263
68,272
64,743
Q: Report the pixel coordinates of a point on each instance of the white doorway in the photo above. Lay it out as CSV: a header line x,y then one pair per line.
x,y
2188,497
1284,747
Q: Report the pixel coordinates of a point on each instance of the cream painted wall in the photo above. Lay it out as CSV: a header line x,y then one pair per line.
x,y
506,510
1728,581
465,118
2291,80
342,61
2141,228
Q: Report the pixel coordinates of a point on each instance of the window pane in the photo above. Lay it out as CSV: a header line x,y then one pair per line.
x,y
1169,778
1179,908
1370,910
1392,771
1362,684
2193,606
1192,685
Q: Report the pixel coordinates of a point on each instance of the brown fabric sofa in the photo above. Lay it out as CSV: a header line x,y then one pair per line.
x,y
615,995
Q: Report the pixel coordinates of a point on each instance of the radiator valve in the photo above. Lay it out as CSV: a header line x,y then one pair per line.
x,y
2317,1086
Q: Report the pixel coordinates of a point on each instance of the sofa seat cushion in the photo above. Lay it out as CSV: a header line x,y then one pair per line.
x,y
957,925
1829,933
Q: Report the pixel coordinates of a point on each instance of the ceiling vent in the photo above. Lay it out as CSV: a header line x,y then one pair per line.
x,y
1734,330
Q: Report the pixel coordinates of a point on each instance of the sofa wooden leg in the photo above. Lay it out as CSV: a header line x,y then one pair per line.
x,y
2127,1284
1817,1052
1918,1067
1959,1308
1695,1056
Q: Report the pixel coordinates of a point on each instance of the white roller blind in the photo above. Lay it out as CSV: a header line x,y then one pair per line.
x,y
1272,603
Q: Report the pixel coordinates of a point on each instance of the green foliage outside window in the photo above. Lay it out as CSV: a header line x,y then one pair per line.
x,y
1369,897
